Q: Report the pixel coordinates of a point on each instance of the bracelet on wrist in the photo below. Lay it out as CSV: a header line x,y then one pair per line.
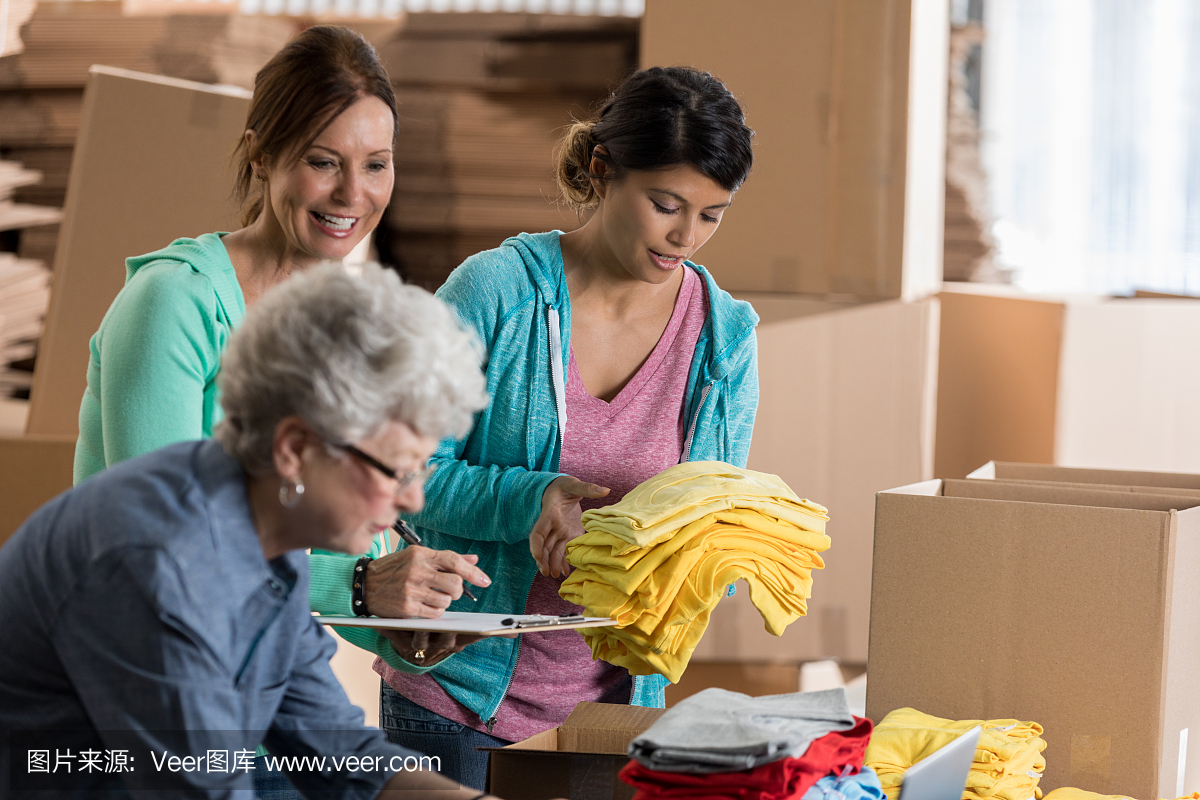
x,y
358,587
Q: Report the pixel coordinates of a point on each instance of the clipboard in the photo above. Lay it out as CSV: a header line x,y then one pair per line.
x,y
474,623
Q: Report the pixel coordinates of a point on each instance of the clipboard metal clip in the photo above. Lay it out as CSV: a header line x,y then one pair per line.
x,y
540,620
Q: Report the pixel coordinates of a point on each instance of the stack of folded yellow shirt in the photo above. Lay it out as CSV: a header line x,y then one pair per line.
x,y
1008,759
660,559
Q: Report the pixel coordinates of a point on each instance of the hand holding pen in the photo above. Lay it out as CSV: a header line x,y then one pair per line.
x,y
419,582
410,537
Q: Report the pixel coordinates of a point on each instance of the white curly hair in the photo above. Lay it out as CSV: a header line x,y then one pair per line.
x,y
347,350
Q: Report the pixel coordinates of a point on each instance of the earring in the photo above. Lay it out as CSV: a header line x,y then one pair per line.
x,y
290,493
261,178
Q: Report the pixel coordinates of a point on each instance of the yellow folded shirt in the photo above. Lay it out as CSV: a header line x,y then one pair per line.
x,y
1008,761
661,638
659,561
656,573
657,508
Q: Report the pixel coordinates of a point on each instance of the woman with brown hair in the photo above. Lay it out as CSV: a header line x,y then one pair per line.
x,y
315,173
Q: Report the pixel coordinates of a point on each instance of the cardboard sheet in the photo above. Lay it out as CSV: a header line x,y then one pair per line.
x,y
33,469
848,101
846,408
1085,381
137,183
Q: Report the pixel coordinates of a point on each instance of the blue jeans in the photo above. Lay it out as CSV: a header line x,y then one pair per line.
x,y
272,784
409,725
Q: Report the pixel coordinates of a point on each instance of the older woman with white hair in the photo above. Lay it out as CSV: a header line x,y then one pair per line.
x,y
160,609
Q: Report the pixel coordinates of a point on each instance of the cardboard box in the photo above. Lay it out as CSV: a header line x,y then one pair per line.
x,y
1089,381
579,759
848,102
1073,607
152,164
846,409
1177,482
33,469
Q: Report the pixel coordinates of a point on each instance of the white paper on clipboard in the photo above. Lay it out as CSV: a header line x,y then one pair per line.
x,y
469,622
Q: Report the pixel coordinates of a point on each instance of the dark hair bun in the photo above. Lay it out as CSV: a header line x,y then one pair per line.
x,y
657,118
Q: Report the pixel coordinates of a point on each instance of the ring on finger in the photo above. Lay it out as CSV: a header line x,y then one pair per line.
x,y
419,655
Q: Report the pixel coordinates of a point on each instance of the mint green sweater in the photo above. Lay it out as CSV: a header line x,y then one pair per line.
x,y
152,375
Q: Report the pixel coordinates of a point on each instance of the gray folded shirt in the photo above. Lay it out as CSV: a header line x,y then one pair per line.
x,y
721,731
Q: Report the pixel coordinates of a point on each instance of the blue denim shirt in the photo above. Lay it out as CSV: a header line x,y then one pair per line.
x,y
140,614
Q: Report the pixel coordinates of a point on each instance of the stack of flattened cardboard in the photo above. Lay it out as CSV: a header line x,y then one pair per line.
x,y
41,88
1048,594
483,100
13,14
24,296
24,283
14,215
44,118
220,48
63,39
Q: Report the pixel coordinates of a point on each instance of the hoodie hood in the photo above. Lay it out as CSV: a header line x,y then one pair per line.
x,y
730,321
206,254
541,254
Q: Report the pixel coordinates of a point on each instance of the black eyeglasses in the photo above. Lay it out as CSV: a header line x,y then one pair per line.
x,y
407,479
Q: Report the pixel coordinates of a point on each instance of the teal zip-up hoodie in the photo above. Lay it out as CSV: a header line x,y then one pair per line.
x,y
152,371
487,491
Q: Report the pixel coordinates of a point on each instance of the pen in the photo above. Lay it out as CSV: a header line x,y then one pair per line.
x,y
409,535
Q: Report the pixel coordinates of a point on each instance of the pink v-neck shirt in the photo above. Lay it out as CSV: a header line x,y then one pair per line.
x,y
616,444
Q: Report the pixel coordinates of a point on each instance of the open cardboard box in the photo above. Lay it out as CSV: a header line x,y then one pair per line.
x,y
579,759
1070,606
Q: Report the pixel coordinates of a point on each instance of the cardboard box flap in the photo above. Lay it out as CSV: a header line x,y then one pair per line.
x,y
931,488
1124,488
985,473
604,727
1049,473
546,741
1058,494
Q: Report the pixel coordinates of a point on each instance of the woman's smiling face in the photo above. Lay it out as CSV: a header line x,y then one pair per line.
x,y
334,194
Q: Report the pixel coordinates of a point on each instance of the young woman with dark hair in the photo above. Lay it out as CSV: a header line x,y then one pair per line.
x,y
611,356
